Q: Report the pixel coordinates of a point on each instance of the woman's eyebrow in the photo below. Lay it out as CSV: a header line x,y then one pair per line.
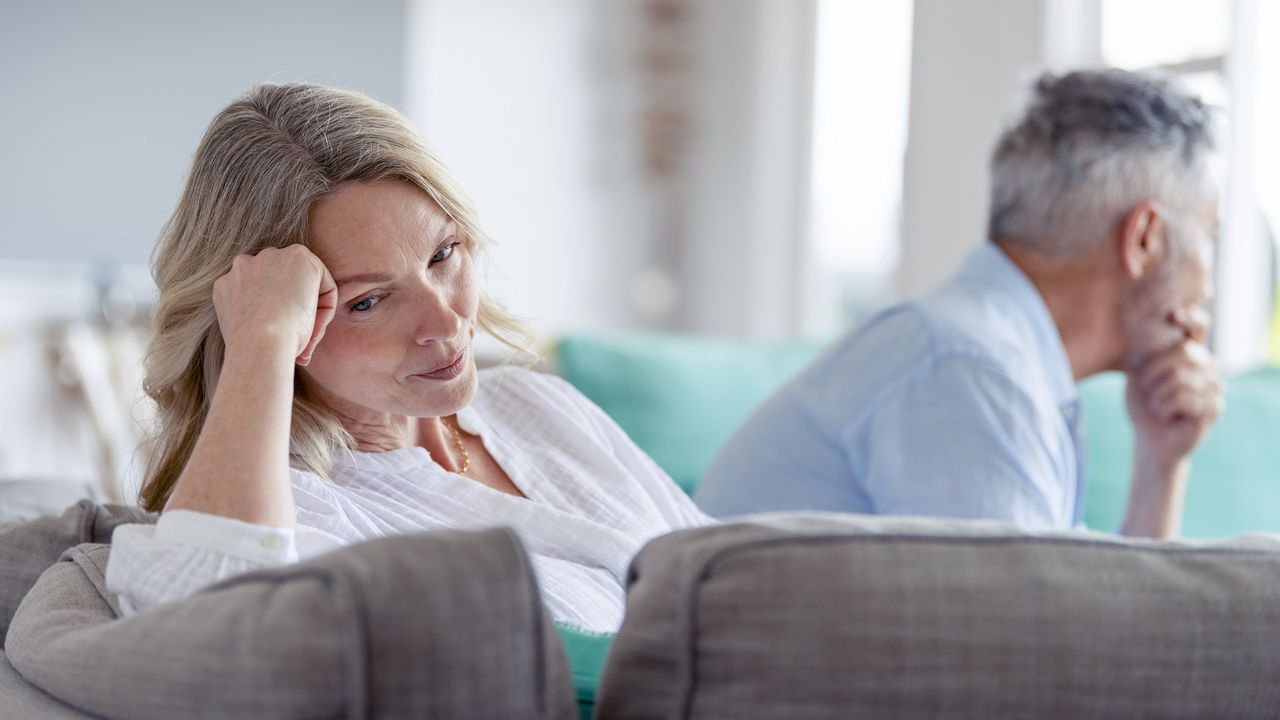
x,y
364,279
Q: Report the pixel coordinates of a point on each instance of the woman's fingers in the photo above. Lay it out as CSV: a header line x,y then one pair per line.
x,y
277,294
326,308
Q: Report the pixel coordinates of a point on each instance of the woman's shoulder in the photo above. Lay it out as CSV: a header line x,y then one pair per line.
x,y
530,393
514,378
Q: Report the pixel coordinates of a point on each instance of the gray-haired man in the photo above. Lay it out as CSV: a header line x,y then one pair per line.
x,y
963,403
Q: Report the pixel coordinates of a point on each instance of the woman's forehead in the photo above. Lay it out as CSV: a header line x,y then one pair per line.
x,y
369,221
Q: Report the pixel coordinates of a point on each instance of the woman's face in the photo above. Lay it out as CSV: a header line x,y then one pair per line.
x,y
400,343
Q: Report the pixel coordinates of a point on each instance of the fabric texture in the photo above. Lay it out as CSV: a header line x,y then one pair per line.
x,y
445,624
21,700
952,405
839,617
27,549
592,500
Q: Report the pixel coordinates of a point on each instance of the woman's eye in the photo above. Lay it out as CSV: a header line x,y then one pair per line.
x,y
443,253
365,305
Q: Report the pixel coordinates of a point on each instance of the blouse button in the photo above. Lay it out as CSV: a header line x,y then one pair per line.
x,y
272,542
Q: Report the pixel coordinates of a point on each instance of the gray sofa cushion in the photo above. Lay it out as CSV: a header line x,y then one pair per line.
x,y
845,616
27,549
21,699
445,624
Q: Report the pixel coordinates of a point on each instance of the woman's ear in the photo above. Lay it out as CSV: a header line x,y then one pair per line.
x,y
1140,239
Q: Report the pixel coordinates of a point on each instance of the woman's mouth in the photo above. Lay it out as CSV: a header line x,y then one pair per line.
x,y
450,371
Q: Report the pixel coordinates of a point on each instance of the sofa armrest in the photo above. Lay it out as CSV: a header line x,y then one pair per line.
x,y
445,624
28,548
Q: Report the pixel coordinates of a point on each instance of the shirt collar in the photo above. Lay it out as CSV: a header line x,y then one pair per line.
x,y
988,265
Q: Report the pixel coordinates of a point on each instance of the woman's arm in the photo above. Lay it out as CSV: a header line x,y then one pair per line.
x,y
272,310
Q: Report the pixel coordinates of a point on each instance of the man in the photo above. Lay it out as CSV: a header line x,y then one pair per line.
x,y
963,403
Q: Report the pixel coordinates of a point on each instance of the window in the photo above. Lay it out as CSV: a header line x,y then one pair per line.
x,y
1213,45
861,88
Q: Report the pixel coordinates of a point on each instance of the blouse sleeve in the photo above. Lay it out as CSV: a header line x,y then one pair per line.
x,y
186,551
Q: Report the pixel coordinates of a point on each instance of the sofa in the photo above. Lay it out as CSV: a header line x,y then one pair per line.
x,y
772,616
681,397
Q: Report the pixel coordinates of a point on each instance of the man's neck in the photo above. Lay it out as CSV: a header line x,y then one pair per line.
x,y
1078,297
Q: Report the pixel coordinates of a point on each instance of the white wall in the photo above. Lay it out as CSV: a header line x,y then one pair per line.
x,y
749,191
521,101
105,102
968,65
971,64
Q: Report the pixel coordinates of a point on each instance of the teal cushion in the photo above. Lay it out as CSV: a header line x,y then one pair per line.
x,y
679,398
586,652
1235,473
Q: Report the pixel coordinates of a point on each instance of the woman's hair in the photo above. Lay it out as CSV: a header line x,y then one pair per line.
x,y
262,164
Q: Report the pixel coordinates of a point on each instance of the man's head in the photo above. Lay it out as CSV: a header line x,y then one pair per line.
x,y
1108,170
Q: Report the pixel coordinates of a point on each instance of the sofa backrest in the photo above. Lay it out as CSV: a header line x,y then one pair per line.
x,y
847,616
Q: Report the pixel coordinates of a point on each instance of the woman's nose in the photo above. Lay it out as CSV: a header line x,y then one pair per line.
x,y
436,320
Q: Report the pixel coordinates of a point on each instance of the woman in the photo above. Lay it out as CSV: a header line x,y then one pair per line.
x,y
313,370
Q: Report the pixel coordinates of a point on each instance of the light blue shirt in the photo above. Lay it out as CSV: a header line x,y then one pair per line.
x,y
959,404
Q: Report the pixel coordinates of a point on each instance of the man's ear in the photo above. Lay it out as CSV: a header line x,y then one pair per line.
x,y
1140,239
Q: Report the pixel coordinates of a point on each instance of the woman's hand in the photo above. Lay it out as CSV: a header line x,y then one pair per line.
x,y
283,295
272,310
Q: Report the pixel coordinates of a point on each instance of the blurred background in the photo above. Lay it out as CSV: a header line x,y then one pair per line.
x,y
763,170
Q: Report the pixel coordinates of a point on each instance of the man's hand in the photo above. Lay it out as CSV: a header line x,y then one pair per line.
x,y
1174,397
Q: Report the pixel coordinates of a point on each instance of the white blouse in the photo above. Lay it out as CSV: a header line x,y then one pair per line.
x,y
592,499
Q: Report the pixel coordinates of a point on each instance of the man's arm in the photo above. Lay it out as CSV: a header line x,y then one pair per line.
x,y
1172,400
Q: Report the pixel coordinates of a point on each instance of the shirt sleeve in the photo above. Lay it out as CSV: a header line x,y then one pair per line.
x,y
186,551
962,439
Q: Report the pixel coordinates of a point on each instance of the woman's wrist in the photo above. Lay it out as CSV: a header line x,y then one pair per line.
x,y
262,344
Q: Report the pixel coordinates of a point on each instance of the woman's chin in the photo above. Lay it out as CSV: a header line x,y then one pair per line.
x,y
437,398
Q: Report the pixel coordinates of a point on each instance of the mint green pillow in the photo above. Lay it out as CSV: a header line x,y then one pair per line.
x,y
679,398
586,652
1235,473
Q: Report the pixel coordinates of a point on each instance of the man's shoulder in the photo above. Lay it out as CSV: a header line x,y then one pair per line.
x,y
959,321
956,324
972,319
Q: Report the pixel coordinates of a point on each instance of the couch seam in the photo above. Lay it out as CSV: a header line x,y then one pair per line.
x,y
533,598
88,519
823,538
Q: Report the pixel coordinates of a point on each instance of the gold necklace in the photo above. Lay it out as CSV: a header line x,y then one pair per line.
x,y
457,442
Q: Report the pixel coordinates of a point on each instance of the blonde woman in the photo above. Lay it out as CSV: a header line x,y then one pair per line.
x,y
312,364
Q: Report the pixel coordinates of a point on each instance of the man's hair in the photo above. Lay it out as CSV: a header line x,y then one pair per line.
x,y
1090,147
